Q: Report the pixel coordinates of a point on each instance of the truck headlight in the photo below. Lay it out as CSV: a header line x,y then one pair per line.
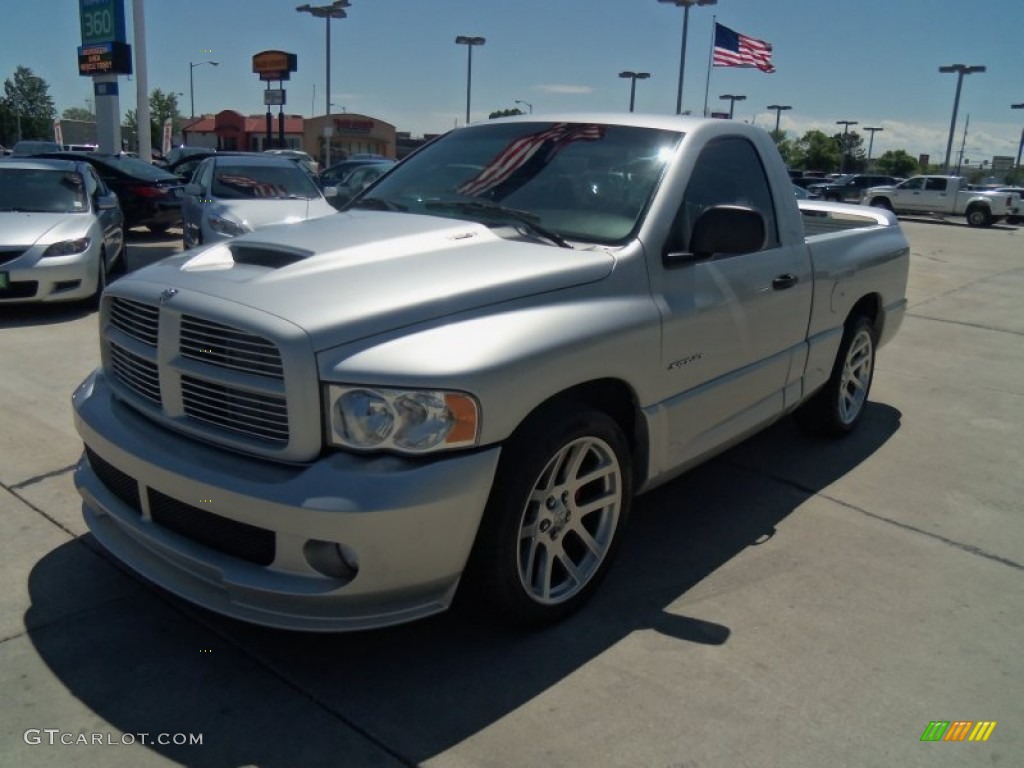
x,y
226,226
403,420
68,247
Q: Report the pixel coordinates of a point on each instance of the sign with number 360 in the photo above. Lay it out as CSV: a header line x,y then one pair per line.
x,y
102,21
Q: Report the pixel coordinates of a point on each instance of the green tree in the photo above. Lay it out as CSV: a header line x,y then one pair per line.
x,y
78,113
161,106
896,162
505,113
786,147
26,109
816,151
856,157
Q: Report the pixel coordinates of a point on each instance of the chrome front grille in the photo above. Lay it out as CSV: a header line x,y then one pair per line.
x,y
138,320
228,347
139,375
261,416
224,383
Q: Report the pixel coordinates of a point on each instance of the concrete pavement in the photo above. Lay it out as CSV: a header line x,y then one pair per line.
x,y
795,602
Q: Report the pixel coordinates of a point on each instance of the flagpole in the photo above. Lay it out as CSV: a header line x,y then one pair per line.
x,y
711,50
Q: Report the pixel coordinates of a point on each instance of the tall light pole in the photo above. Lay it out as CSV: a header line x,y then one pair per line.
x,y
1021,145
191,81
732,101
685,4
633,77
525,103
779,109
871,141
335,10
842,149
961,70
469,42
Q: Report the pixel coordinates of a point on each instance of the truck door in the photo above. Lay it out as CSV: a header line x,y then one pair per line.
x,y
733,325
936,195
906,196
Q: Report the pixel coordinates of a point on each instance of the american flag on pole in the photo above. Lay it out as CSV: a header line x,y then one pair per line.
x,y
735,50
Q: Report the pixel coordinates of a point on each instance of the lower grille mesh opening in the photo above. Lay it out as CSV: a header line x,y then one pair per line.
x,y
117,482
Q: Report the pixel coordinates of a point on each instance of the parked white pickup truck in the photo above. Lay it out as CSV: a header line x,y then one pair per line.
x,y
943,195
460,381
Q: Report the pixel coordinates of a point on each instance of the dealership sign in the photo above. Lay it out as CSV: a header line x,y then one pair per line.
x,y
274,65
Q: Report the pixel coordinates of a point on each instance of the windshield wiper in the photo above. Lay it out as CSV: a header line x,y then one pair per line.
x,y
529,220
376,204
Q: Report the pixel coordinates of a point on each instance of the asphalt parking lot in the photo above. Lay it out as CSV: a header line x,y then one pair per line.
x,y
794,602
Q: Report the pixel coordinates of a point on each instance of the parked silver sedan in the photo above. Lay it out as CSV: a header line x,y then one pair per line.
x,y
230,195
61,231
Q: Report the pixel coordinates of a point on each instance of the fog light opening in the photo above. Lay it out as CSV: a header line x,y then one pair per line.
x,y
334,560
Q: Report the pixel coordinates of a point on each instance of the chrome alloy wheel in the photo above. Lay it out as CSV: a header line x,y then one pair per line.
x,y
856,378
570,519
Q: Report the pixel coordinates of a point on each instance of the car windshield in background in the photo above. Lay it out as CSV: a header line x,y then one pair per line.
x,y
263,182
583,181
42,191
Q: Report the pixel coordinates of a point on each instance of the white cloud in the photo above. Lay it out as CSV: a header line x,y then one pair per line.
x,y
556,88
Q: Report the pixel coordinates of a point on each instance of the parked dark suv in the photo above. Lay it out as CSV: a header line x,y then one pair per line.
x,y
849,188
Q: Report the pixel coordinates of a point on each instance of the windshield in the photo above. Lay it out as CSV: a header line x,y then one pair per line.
x,y
263,182
583,181
42,191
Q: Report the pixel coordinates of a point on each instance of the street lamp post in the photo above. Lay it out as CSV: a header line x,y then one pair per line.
x,y
732,101
633,77
842,149
779,109
469,42
1020,146
871,141
335,10
961,70
525,103
191,81
685,4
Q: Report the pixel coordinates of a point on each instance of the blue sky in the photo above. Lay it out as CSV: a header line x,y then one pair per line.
x,y
874,61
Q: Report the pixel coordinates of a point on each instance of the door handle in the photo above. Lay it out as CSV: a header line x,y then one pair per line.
x,y
782,282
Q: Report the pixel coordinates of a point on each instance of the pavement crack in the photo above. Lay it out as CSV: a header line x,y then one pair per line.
x,y
968,548
42,477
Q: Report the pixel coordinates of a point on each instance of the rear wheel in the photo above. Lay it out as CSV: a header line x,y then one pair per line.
x,y
979,216
838,406
554,518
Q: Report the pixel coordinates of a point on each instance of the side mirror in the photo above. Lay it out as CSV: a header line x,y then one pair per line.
x,y
724,230
106,202
193,189
330,191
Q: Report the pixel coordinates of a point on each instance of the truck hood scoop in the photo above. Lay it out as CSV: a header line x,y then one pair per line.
x,y
346,276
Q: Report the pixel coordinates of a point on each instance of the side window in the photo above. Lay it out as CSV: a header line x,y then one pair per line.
x,y
917,183
936,185
728,172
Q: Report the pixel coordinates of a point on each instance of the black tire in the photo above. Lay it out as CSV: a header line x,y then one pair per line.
x,y
536,560
881,202
979,216
120,265
833,199
101,282
837,408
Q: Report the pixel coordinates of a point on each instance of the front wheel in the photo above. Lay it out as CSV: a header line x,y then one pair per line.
x,y
881,202
838,406
554,518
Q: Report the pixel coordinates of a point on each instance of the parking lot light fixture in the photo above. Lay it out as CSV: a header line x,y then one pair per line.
x,y
1021,145
842,149
871,141
633,77
685,4
779,109
191,81
526,104
732,101
469,41
960,70
335,10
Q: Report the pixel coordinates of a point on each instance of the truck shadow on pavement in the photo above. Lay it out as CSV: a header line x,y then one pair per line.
x,y
145,662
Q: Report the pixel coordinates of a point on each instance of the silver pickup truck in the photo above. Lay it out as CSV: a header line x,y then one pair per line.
x,y
459,382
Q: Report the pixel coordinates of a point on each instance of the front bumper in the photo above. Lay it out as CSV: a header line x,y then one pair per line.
x,y
253,536
55,278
